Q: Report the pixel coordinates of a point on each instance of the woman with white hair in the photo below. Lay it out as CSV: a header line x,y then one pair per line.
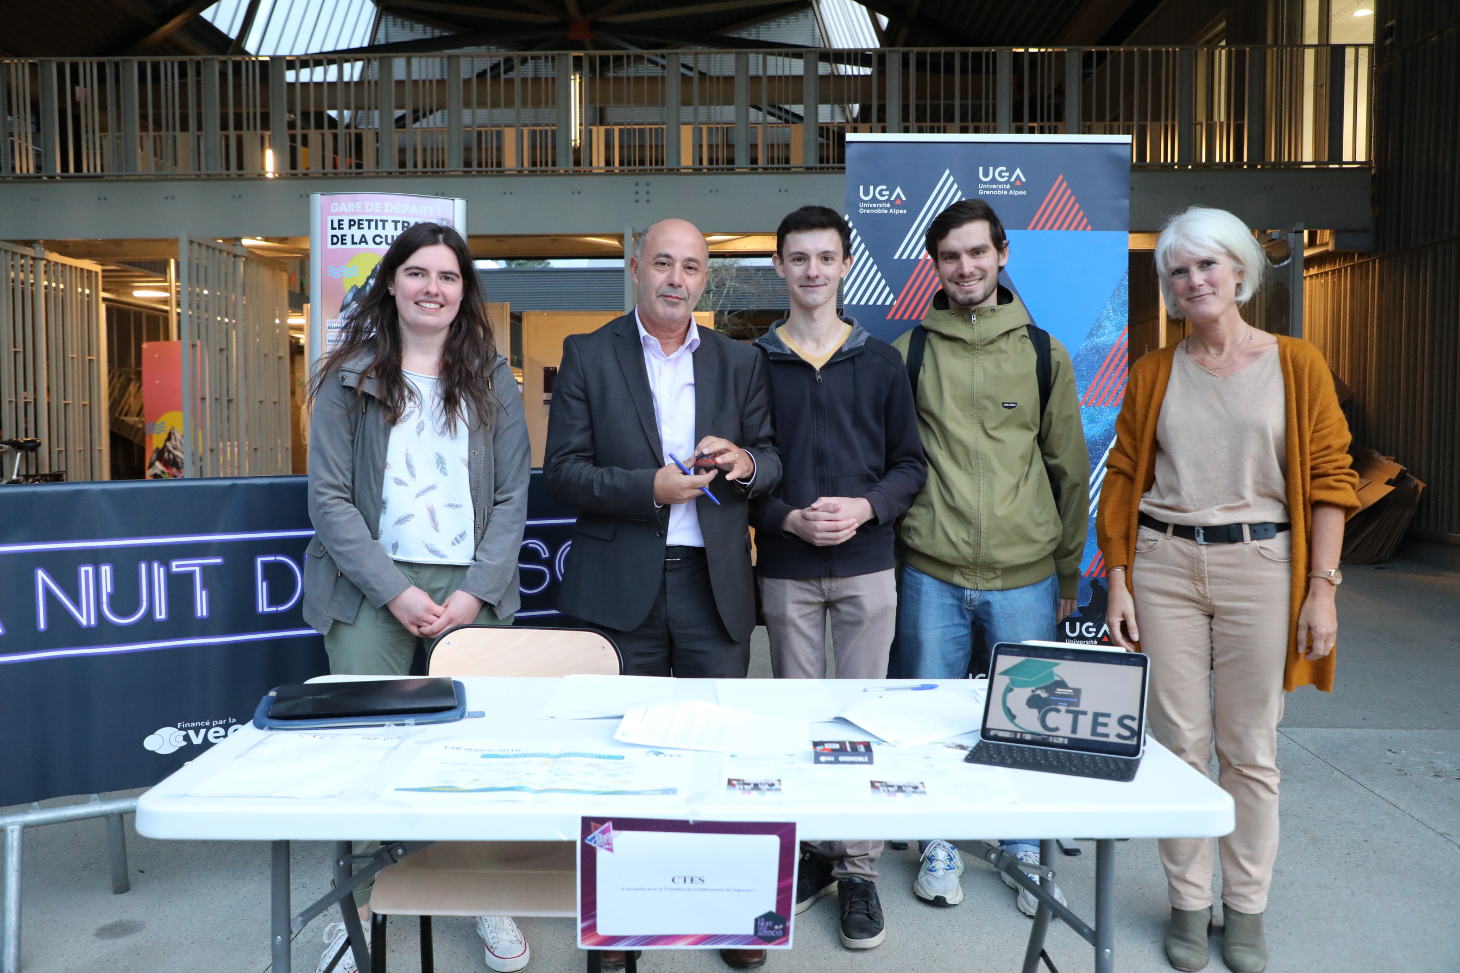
x,y
1221,522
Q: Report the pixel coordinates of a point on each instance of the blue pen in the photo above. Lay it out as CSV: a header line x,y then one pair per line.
x,y
685,470
911,689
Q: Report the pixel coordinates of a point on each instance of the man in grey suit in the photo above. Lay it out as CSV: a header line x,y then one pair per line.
x,y
657,564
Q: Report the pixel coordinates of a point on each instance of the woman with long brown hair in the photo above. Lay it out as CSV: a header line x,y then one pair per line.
x,y
418,472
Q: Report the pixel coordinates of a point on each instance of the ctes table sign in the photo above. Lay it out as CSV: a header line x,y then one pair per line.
x,y
651,884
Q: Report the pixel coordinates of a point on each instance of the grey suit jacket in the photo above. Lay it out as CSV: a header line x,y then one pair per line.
x,y
602,453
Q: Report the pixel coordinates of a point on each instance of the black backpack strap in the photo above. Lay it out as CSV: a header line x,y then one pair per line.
x,y
1043,367
917,341
1044,374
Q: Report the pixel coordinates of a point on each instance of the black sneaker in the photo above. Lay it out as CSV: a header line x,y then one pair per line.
x,y
813,880
862,926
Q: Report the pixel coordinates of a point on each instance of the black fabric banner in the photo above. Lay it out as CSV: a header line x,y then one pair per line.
x,y
141,621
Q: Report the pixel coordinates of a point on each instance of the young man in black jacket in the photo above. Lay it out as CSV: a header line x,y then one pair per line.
x,y
847,433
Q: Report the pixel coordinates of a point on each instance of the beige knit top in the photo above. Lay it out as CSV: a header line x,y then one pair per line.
x,y
1221,446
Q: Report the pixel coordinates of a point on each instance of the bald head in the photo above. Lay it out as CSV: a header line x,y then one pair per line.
x,y
669,267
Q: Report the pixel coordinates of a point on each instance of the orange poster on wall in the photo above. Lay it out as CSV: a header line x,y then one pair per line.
x,y
162,402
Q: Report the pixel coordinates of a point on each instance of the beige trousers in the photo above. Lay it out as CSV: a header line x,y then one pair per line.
x,y
863,619
1213,619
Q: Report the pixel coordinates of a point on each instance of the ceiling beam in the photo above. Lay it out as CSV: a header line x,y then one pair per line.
x,y
463,10
698,8
237,47
610,7
1090,20
712,41
930,27
454,42
172,20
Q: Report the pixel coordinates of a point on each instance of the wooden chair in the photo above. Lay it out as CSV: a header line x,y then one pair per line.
x,y
492,878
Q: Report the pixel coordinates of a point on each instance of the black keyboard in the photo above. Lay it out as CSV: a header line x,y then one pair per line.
x,y
1071,763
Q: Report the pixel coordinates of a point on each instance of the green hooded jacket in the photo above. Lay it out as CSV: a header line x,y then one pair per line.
x,y
987,518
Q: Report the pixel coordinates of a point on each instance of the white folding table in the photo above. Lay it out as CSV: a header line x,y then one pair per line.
x,y
1166,799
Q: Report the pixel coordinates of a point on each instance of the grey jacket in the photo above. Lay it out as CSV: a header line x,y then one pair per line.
x,y
347,445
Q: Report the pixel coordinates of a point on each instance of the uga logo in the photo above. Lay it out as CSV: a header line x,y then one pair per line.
x,y
882,193
1000,174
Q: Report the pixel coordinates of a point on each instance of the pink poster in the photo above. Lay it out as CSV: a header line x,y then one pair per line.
x,y
162,408
349,233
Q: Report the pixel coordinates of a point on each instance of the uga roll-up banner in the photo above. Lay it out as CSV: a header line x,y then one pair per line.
x,y
1064,201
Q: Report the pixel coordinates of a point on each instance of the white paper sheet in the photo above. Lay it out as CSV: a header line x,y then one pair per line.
x,y
801,698
692,724
536,772
298,764
908,719
588,697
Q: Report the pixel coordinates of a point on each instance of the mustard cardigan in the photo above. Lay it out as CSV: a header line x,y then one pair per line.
x,y
1319,471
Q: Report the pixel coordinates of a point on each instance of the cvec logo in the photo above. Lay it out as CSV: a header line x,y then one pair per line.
x,y
881,193
170,739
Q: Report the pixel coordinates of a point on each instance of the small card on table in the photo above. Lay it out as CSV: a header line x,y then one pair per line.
x,y
841,751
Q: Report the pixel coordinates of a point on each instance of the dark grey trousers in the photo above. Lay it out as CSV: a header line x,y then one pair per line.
x,y
683,635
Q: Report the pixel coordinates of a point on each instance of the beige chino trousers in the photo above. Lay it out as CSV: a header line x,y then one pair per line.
x,y
1213,619
863,612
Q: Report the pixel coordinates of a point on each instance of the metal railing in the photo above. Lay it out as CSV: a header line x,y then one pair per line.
x,y
699,110
14,825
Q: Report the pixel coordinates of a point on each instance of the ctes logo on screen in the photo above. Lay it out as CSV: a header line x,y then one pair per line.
x,y
1051,698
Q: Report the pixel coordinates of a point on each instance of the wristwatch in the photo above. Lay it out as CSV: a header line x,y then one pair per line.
x,y
1333,577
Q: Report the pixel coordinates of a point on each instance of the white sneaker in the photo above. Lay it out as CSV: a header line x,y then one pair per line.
x,y
506,947
937,880
335,936
1028,904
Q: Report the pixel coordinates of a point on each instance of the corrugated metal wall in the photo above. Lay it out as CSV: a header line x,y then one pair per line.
x,y
53,380
1390,328
1390,324
233,324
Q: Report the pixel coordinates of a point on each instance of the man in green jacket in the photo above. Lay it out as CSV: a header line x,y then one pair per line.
x,y
988,547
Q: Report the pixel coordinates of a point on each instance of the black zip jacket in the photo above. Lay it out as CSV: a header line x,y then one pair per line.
x,y
849,430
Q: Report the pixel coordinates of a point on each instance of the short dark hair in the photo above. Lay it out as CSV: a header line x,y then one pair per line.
x,y
814,218
956,215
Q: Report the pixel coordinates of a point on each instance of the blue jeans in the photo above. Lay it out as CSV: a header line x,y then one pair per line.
x,y
936,623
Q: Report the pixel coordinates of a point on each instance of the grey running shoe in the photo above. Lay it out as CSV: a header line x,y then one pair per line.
x,y
937,880
1028,904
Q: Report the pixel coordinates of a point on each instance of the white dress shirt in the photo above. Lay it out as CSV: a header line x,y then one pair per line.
x,y
672,383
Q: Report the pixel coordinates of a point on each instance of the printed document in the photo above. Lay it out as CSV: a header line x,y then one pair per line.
x,y
907,719
589,697
692,724
300,765
537,771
